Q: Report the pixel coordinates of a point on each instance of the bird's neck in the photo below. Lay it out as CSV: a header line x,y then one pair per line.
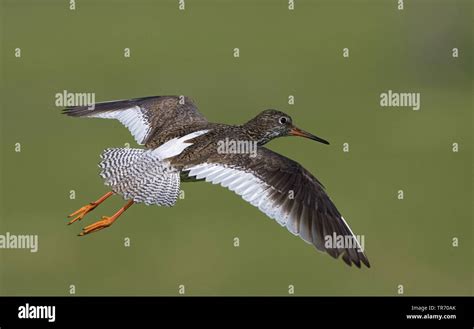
x,y
253,132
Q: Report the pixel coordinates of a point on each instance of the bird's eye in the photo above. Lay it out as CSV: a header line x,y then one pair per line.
x,y
283,120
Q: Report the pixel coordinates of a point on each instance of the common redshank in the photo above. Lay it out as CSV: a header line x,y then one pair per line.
x,y
180,145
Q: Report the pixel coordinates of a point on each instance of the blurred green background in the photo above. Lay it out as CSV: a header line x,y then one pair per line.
x,y
282,53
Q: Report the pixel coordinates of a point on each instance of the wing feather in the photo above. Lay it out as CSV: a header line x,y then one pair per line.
x,y
266,181
145,117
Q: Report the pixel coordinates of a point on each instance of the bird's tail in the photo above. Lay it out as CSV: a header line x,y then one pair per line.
x,y
139,175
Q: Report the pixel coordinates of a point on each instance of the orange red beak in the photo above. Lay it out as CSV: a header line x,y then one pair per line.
x,y
298,132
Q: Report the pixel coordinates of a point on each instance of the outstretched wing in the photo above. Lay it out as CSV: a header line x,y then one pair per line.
x,y
288,193
146,116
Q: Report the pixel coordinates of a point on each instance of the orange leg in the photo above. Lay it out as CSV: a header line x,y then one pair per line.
x,y
105,221
87,208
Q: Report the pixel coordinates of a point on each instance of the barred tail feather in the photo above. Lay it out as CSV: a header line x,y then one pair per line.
x,y
115,162
139,175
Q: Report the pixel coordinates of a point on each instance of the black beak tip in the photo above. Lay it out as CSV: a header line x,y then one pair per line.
x,y
323,141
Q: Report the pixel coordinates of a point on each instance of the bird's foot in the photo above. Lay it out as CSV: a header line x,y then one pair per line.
x,y
99,225
106,221
80,213
87,208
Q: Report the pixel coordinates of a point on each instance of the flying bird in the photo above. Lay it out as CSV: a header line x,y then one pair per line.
x,y
181,145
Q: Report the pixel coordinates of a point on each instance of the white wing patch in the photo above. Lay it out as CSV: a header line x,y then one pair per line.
x,y
251,188
133,118
175,146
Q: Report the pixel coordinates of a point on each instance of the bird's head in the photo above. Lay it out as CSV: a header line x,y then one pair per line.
x,y
270,124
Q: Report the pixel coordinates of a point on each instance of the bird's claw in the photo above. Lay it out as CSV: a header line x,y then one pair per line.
x,y
80,213
97,226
